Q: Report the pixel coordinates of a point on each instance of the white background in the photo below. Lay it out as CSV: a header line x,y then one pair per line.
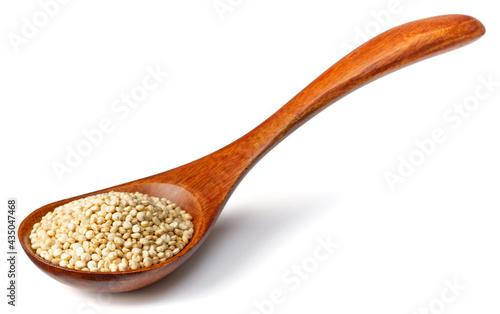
x,y
227,73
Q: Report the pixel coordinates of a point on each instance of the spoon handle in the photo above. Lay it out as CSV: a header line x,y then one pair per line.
x,y
396,48
389,51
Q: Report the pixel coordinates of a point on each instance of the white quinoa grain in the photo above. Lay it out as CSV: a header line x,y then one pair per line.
x,y
85,257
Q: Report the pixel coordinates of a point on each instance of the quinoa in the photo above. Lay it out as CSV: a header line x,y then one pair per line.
x,y
109,232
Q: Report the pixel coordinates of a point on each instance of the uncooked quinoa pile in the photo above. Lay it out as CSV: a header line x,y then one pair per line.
x,y
113,231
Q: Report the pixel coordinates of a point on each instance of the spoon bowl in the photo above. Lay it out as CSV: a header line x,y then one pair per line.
x,y
124,280
203,186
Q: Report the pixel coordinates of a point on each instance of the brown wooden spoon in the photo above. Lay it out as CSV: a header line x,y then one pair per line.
x,y
203,186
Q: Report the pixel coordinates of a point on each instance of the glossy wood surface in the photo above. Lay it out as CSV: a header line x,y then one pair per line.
x,y
203,186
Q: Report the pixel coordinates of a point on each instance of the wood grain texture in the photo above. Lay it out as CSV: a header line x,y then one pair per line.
x,y
203,186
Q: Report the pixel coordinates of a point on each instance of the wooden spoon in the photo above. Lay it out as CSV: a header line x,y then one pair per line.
x,y
203,186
